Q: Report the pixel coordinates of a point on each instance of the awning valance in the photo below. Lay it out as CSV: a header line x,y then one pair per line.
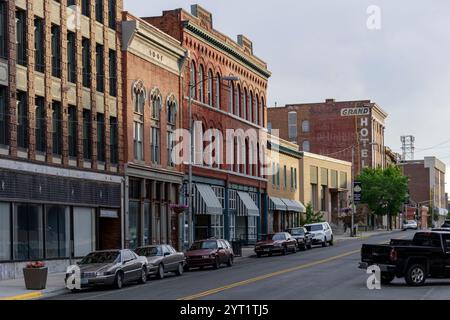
x,y
206,201
246,205
294,205
277,204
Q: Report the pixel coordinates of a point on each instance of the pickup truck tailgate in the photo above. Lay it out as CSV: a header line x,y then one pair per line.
x,y
375,253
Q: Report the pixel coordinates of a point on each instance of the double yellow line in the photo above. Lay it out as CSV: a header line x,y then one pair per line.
x,y
266,276
26,296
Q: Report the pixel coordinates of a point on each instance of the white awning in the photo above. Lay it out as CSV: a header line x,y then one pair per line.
x,y
246,205
206,201
277,204
294,205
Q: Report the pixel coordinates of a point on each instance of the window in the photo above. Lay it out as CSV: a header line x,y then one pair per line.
x,y
217,227
278,174
256,101
193,80
86,60
101,137
244,106
237,105
86,7
57,232
22,120
71,57
3,30
73,129
210,88
305,126
138,143
40,124
87,146
56,51
57,128
314,196
83,231
171,110
232,94
323,198
28,232
114,137
170,146
112,73
133,223
201,84
3,113
99,56
217,97
21,37
99,10
139,97
292,125
250,107
112,14
295,179
285,176
155,145
306,146
39,42
262,117
5,233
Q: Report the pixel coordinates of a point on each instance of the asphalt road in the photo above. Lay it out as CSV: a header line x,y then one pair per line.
x,y
321,273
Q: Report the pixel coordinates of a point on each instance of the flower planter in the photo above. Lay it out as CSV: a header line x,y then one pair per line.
x,y
35,278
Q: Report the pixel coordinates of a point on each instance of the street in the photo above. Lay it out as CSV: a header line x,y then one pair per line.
x,y
318,274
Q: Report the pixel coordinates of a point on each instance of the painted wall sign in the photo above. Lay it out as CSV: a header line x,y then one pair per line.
x,y
362,111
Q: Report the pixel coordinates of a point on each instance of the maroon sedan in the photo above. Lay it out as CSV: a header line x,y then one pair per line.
x,y
281,242
211,252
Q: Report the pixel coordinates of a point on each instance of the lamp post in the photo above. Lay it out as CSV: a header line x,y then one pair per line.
x,y
192,87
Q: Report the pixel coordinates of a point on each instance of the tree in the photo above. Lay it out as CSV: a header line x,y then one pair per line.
x,y
311,216
384,190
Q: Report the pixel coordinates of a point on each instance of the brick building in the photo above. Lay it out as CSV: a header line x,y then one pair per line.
x,y
332,128
153,63
60,143
228,198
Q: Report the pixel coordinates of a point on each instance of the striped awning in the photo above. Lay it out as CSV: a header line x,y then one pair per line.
x,y
276,204
246,205
294,205
206,201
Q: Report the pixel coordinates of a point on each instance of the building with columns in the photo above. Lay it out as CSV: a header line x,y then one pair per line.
x,y
60,140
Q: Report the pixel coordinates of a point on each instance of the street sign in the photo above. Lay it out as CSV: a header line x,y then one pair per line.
x,y
357,191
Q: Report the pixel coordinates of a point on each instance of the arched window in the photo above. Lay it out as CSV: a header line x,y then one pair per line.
x,y
257,110
250,107
193,80
306,146
247,157
201,83
262,116
232,94
155,137
244,107
156,104
305,126
237,105
172,109
210,88
139,96
218,79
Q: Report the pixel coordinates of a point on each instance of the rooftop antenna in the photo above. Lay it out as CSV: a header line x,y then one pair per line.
x,y
408,147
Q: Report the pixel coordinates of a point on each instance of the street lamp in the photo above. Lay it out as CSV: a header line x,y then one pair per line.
x,y
193,86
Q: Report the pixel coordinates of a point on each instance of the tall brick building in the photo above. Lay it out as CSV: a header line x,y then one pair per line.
x,y
60,142
229,199
153,63
332,128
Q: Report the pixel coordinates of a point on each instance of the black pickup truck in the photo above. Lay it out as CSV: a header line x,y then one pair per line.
x,y
427,255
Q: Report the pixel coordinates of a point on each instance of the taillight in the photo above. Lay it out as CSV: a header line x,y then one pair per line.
x,y
393,255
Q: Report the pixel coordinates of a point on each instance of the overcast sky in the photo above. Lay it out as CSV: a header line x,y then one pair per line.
x,y
323,49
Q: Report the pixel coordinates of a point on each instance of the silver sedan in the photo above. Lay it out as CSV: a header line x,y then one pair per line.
x,y
162,259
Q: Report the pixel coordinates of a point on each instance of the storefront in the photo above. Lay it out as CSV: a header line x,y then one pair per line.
x,y
284,214
56,215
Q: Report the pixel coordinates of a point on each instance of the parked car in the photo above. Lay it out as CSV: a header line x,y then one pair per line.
x,y
321,232
426,255
162,259
281,242
210,252
112,268
410,224
303,237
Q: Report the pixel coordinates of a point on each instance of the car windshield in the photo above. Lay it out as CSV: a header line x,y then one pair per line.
x,y
149,251
199,245
101,257
411,222
279,236
314,227
297,232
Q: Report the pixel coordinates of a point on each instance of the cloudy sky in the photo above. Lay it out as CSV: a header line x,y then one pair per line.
x,y
323,49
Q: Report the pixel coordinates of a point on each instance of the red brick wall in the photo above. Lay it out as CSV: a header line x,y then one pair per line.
x,y
419,181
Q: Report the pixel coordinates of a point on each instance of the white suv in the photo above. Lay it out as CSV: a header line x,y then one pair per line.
x,y
321,232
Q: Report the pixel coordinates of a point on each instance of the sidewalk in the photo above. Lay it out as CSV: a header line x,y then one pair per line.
x,y
15,289
361,235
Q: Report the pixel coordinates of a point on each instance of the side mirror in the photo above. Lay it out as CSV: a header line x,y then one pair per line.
x,y
220,248
166,254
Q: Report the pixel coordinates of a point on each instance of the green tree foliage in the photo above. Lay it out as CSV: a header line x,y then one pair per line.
x,y
384,191
311,216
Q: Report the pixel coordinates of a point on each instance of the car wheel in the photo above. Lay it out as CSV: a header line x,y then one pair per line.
x,y
143,278
284,252
416,275
186,268
324,243
309,246
387,277
331,241
216,263
118,281
230,261
258,255
294,250
160,274
180,269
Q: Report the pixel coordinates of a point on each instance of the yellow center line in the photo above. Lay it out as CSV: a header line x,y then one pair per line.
x,y
266,276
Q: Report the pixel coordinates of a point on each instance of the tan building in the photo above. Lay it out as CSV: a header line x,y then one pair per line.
x,y
325,183
283,187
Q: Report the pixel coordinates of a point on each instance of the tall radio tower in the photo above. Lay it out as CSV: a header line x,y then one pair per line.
x,y
408,147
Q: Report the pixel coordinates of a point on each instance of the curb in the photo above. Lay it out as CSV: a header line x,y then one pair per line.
x,y
26,296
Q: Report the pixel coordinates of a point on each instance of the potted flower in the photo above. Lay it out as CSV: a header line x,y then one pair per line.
x,y
178,208
35,274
